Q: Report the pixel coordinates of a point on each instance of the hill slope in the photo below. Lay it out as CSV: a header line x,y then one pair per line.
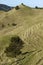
x,y
21,36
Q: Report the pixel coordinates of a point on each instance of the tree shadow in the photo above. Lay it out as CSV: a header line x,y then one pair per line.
x,y
14,49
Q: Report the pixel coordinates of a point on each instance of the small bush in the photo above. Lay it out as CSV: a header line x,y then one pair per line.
x,y
13,24
8,24
3,25
17,7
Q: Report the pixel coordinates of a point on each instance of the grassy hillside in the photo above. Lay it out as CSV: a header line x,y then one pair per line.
x,y
21,36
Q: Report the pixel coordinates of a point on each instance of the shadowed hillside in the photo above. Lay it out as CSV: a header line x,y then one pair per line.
x,y
5,7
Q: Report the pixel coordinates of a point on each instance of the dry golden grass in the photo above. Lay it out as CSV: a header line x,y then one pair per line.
x,y
29,28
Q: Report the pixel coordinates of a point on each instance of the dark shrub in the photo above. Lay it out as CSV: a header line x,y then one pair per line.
x,y
3,25
15,47
17,7
8,24
13,24
22,3
36,7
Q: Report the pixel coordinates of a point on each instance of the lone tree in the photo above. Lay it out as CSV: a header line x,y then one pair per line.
x,y
15,47
22,3
36,7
